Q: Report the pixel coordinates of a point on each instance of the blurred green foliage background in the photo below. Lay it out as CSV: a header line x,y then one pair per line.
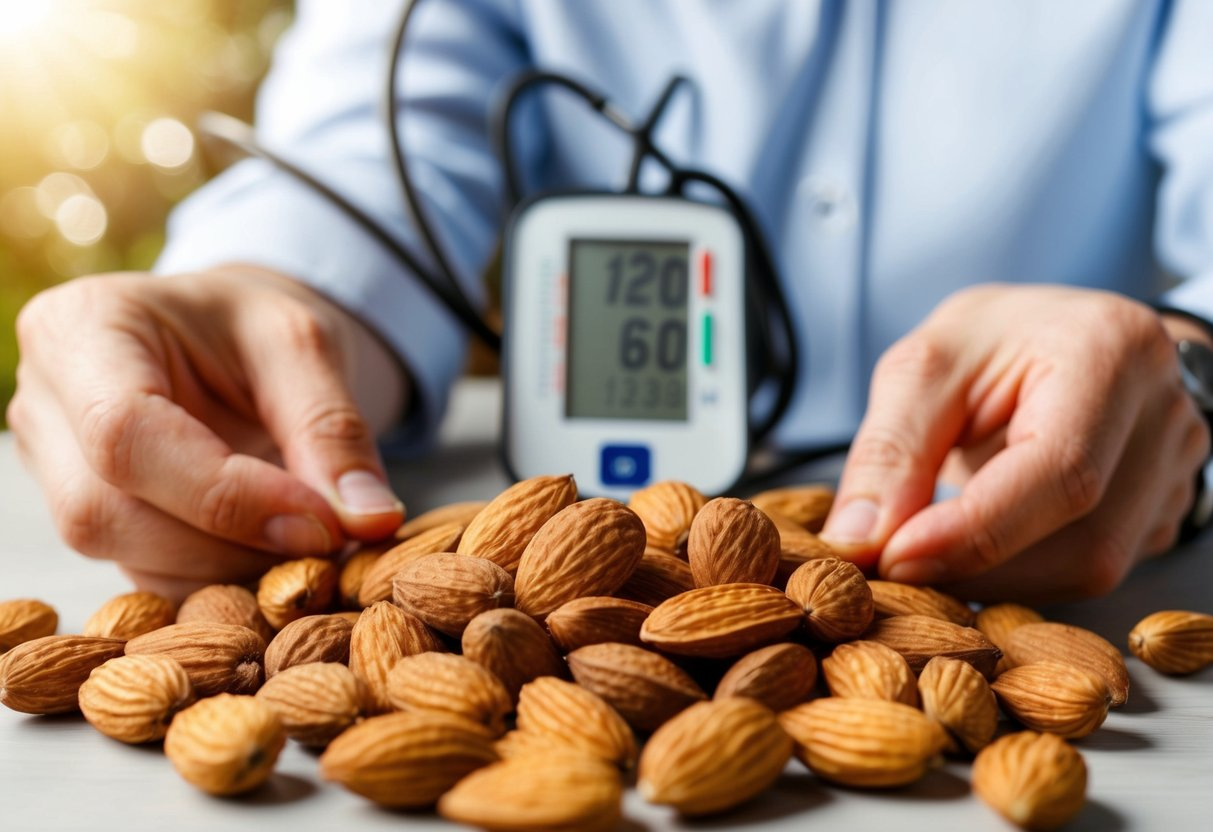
x,y
96,102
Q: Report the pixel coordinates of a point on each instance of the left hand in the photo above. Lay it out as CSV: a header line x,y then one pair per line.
x,y
1065,410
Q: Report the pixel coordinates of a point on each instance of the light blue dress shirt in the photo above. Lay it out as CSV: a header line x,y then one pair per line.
x,y
894,152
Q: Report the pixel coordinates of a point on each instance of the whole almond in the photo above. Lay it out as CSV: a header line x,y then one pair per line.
x,y
644,687
353,573
383,636
529,743
868,670
130,615
513,647
408,759
796,545
315,702
377,581
667,508
225,745
778,676
1049,696
219,658
834,597
451,684
574,716
297,588
866,743
590,548
25,619
956,696
1174,641
890,598
597,619
998,620
713,756
225,604
458,513
313,638
658,576
134,698
721,621
731,541
502,529
919,638
1065,643
44,675
1036,781
447,591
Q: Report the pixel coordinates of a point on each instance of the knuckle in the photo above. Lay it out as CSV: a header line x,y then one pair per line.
x,y
1079,478
882,448
221,505
918,357
303,331
108,436
81,519
335,423
15,413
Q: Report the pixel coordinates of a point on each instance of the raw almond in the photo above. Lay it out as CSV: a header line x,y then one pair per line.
x,y
452,684
447,591
667,508
796,545
731,541
353,573
513,647
1067,644
1036,781
721,621
503,528
1174,641
383,636
226,744
998,620
134,698
296,588
869,670
658,576
44,675
778,676
377,582
590,548
574,716
459,513
225,604
713,756
528,743
130,615
408,759
219,658
919,638
834,597
866,743
596,620
644,687
25,619
956,696
316,702
890,598
807,505
1049,696
313,638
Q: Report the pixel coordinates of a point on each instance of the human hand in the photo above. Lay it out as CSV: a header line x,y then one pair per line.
x,y
199,428
1066,410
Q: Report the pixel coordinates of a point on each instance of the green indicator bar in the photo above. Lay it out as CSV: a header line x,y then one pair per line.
x,y
707,340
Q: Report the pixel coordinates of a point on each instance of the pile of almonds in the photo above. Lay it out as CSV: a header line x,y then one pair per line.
x,y
512,662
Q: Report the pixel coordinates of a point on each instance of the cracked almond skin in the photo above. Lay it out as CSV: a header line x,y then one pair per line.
x,y
713,756
383,636
890,598
866,743
502,529
779,676
596,619
959,698
377,581
130,615
806,505
25,619
225,745
225,604
313,638
919,638
834,597
44,675
1036,781
658,576
575,717
732,541
316,702
1061,699
460,513
589,548
667,509
1075,646
447,591
451,684
408,759
1174,641
513,647
644,687
869,670
133,699
296,588
721,621
219,658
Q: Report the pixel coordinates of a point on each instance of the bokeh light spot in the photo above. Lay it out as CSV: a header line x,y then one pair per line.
x,y
82,145
167,143
54,190
82,219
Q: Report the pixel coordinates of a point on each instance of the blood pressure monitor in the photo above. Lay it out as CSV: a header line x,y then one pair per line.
x,y
624,359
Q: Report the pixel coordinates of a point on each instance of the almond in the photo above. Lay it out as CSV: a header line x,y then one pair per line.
x,y
503,528
25,619
721,621
134,698
731,541
806,505
383,636
219,658
225,745
1049,696
778,676
44,675
890,598
458,513
574,716
919,638
958,697
447,591
998,620
313,638
511,646
451,684
408,759
868,670
596,620
658,576
667,509
796,545
296,588
1036,781
714,756
316,702
644,687
590,548
225,604
834,597
377,581
528,743
130,615
353,573
1174,641
1067,644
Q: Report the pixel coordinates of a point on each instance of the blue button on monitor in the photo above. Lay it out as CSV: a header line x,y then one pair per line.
x,y
625,465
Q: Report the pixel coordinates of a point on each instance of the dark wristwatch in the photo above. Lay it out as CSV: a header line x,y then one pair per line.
x,y
1196,369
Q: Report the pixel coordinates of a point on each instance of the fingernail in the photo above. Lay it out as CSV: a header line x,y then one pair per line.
x,y
917,571
362,492
297,534
852,524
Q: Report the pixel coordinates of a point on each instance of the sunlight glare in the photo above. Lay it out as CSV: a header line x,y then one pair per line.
x,y
22,19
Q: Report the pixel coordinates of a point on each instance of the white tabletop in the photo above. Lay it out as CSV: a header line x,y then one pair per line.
x,y
1151,765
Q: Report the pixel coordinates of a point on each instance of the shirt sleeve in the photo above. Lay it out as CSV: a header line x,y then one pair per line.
x,y
319,108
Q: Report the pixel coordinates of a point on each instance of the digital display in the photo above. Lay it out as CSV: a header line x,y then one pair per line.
x,y
627,330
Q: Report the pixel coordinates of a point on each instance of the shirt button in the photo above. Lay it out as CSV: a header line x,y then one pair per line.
x,y
830,203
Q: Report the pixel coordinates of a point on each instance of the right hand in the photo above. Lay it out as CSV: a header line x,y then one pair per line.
x,y
198,428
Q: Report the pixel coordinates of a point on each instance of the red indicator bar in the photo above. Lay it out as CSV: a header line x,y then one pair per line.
x,y
705,274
